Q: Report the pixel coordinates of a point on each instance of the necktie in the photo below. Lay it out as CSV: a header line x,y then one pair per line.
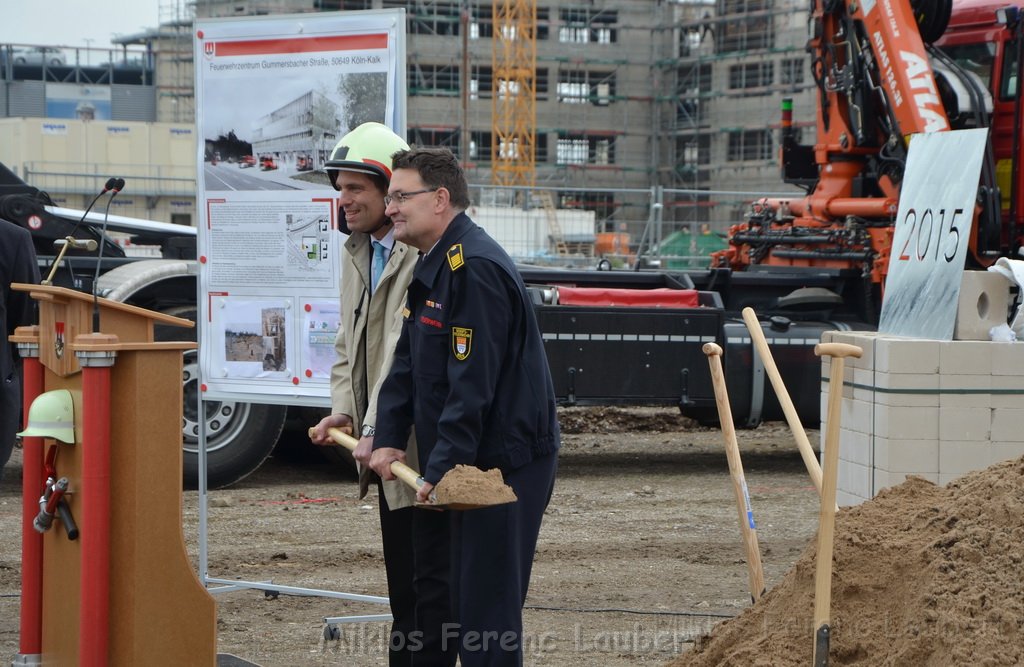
x,y
377,265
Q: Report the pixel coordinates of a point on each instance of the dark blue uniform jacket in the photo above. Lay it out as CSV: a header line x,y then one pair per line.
x,y
470,370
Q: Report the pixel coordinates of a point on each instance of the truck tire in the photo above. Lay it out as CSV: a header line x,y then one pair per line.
x,y
239,436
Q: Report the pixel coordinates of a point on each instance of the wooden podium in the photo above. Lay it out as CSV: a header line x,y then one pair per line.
x,y
124,592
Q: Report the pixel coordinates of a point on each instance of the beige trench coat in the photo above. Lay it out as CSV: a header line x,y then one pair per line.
x,y
366,342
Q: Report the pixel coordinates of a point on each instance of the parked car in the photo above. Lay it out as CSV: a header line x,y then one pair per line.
x,y
128,63
246,161
37,55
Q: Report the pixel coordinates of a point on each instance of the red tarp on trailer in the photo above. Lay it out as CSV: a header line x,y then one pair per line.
x,y
645,298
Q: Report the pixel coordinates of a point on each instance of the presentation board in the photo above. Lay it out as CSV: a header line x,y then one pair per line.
x,y
274,94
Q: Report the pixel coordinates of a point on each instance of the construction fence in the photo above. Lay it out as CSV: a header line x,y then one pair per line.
x,y
553,226
623,228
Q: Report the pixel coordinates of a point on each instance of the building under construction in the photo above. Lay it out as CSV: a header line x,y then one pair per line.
x,y
634,109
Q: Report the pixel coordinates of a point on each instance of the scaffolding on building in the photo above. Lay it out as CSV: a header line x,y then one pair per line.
x,y
175,80
735,62
628,95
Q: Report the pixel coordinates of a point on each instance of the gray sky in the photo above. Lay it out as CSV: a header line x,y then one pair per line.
x,y
71,22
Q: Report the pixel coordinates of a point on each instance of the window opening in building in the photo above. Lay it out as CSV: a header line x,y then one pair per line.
x,y
792,73
583,25
749,145
751,75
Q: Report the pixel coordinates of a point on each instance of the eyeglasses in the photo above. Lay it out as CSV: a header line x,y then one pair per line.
x,y
402,197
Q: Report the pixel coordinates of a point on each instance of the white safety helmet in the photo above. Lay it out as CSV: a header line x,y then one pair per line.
x,y
366,149
52,415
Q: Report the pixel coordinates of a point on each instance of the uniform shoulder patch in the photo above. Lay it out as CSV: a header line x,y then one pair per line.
x,y
455,259
462,342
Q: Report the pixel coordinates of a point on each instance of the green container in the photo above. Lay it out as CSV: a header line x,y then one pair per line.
x,y
683,250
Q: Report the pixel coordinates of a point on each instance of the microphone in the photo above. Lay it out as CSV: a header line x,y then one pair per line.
x,y
111,184
70,240
114,185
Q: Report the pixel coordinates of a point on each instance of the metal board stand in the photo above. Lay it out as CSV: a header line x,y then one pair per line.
x,y
228,585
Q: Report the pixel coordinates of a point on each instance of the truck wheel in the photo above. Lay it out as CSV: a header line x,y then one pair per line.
x,y
239,436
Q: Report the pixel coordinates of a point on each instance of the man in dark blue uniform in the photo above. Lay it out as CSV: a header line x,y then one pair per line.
x,y
470,372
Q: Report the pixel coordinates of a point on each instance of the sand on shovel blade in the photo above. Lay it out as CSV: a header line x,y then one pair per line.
x,y
466,487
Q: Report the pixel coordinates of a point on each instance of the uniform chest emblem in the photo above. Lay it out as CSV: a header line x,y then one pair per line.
x,y
462,342
455,259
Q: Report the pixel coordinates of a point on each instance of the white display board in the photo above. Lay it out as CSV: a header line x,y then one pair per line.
x,y
933,230
273,96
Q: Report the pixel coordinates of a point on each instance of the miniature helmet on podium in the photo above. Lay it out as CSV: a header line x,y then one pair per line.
x,y
52,415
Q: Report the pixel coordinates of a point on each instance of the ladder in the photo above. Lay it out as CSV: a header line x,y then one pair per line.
x,y
554,228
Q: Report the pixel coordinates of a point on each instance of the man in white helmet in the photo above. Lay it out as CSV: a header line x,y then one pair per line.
x,y
376,270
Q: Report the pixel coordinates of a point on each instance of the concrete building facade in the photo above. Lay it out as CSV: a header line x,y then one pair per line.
x,y
637,101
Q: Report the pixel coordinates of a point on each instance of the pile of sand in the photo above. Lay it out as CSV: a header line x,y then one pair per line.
x,y
922,575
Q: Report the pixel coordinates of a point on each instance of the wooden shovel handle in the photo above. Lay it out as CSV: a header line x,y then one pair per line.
x,y
837,350
827,516
792,417
748,530
400,470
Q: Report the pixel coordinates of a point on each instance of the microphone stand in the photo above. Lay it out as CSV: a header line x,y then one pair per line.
x,y
70,239
118,185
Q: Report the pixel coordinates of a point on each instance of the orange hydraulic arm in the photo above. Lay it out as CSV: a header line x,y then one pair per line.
x,y
906,77
875,88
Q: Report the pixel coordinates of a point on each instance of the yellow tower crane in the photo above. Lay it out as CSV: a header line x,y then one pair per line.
x,y
514,105
513,92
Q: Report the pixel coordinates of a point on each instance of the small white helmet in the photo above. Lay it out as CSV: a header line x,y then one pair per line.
x,y
52,415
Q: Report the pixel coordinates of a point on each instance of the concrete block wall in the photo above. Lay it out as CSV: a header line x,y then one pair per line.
x,y
923,407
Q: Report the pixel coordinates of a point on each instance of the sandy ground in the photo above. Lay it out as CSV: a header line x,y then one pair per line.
x,y
639,553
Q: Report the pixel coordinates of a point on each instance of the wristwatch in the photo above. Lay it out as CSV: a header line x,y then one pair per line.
x,y
368,431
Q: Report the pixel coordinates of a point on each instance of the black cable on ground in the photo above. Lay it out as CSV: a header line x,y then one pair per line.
x,y
607,610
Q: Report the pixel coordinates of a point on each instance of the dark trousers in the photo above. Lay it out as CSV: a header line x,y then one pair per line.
x,y
432,544
417,585
396,532
10,414
492,557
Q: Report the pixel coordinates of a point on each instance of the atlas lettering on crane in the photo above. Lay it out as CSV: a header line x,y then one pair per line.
x,y
894,26
888,73
919,75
